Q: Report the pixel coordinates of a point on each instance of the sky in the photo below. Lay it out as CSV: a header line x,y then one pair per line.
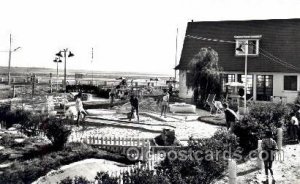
x,y
126,35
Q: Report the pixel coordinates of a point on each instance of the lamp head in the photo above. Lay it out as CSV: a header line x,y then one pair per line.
x,y
16,49
59,54
57,60
70,54
239,48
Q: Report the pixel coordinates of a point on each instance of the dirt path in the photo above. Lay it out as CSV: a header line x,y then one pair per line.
x,y
286,170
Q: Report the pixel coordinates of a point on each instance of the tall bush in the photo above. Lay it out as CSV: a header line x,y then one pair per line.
x,y
205,74
56,131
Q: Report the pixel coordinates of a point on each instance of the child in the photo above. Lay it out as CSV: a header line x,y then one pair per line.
x,y
134,101
230,117
79,107
268,152
165,104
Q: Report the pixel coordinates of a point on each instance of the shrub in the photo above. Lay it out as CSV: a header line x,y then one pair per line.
x,y
28,120
56,132
76,180
103,177
262,116
269,114
201,170
137,176
67,180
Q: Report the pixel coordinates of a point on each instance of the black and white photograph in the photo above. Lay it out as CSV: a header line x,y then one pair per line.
x,y
150,92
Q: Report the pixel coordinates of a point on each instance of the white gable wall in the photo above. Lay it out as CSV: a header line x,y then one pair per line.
x,y
184,92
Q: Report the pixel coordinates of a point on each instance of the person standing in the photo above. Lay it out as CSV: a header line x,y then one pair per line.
x,y
294,127
230,117
165,104
269,146
112,95
134,101
79,107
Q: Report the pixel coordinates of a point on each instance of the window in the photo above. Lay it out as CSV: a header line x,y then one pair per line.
x,y
225,79
241,79
248,45
290,83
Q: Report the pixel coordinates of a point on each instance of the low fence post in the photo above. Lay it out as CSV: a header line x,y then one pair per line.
x,y
115,141
232,171
259,150
109,140
121,178
279,138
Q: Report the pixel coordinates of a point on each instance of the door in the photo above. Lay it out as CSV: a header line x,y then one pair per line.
x,y
264,87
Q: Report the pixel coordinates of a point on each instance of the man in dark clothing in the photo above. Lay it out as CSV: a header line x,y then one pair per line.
x,y
134,101
230,116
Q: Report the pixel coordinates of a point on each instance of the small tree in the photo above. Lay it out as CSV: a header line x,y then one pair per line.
x,y
56,132
205,73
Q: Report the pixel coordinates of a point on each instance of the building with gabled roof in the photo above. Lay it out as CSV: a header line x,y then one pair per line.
x,y
272,48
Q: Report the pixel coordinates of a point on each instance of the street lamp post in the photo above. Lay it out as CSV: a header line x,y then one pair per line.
x,y
65,68
57,60
246,77
65,72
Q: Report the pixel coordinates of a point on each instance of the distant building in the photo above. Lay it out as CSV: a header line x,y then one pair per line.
x,y
273,55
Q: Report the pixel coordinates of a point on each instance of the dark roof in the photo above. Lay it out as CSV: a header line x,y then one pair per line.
x,y
280,37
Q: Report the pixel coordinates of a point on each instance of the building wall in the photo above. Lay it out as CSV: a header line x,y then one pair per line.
x,y
184,92
278,86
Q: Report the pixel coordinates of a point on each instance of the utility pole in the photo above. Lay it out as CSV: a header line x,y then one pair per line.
x,y
33,83
176,54
9,59
92,68
50,82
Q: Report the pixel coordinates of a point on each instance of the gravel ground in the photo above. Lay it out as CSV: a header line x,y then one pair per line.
x,y
286,170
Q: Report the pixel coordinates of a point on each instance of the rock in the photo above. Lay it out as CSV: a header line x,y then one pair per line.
x,y
283,176
12,129
293,155
1,147
52,113
19,140
17,126
2,166
14,156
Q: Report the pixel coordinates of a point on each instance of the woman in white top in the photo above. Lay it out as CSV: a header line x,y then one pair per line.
x,y
294,127
79,107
